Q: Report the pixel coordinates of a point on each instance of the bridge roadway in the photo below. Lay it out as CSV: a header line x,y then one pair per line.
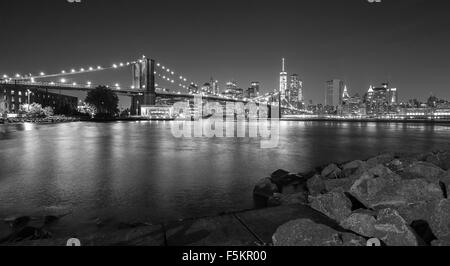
x,y
126,92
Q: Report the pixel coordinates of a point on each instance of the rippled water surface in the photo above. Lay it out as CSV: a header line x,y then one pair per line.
x,y
140,172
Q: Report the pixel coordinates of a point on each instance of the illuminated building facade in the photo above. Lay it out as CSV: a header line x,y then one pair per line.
x,y
156,112
254,89
12,98
295,94
283,81
334,92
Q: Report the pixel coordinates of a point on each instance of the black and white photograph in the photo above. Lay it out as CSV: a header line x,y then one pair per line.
x,y
240,124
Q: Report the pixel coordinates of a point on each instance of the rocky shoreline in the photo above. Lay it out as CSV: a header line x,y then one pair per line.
x,y
397,199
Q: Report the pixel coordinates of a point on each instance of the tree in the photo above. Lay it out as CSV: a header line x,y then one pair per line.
x,y
3,109
48,111
104,100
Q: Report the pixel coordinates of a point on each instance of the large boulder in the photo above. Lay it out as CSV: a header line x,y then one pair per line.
x,y
417,211
306,233
332,171
382,159
335,205
423,170
316,185
440,220
353,168
281,177
265,188
343,184
373,184
393,230
380,187
360,223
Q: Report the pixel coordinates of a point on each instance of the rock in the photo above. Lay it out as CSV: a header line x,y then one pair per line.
x,y
335,205
360,223
440,159
306,233
393,230
279,174
294,188
18,223
265,188
440,243
382,171
332,171
342,185
287,180
417,211
297,198
352,168
440,220
279,177
424,170
291,199
385,189
316,185
382,159
370,188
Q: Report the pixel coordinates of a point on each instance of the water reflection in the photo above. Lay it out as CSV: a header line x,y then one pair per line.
x,y
139,171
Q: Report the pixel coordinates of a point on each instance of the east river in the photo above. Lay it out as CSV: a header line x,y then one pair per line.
x,y
138,171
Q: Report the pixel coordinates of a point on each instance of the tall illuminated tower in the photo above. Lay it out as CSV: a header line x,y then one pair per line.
x,y
283,81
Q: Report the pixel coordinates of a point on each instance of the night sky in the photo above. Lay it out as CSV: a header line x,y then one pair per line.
x,y
405,42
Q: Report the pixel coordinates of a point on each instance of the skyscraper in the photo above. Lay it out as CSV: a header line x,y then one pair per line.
x,y
283,81
253,91
334,92
257,87
214,86
295,90
393,96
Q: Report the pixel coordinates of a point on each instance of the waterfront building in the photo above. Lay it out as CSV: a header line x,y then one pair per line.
x,y
156,112
13,97
334,92
393,96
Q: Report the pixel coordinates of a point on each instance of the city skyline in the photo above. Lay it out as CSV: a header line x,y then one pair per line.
x,y
321,40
